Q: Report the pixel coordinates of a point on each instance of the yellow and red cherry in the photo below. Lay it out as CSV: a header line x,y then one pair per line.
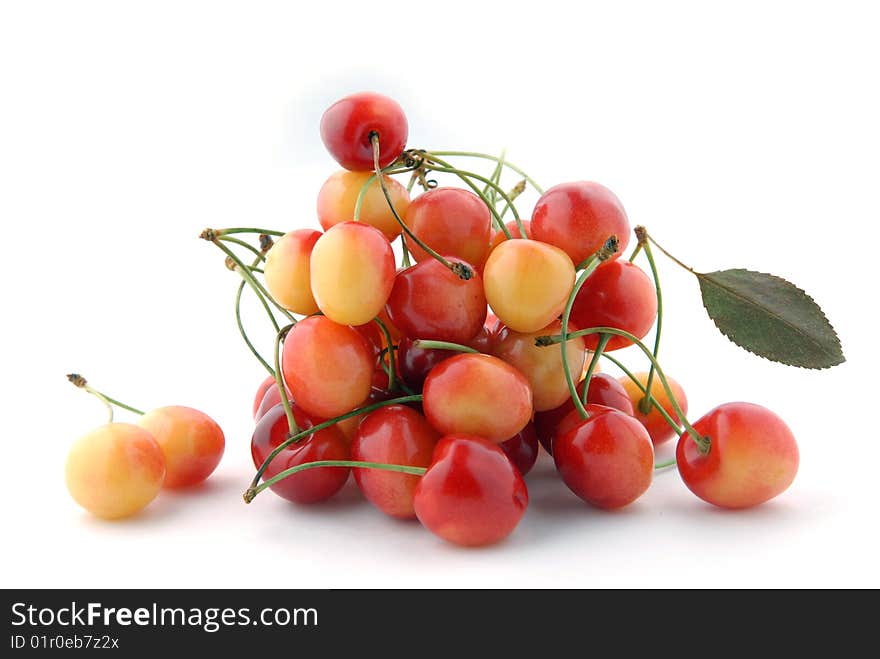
x,y
452,222
348,126
618,294
265,385
287,271
429,301
656,425
115,470
477,395
607,460
338,197
578,218
499,236
398,435
752,456
191,442
352,272
471,494
327,367
542,366
527,283
522,448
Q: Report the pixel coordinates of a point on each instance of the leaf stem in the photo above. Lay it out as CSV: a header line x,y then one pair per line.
x,y
650,238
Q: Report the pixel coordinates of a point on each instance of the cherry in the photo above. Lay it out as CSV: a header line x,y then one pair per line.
x,y
527,283
752,456
349,426
618,294
287,271
604,390
348,125
453,222
471,495
607,459
352,272
522,448
429,301
542,366
395,434
191,442
499,236
311,485
578,218
416,362
115,470
479,395
339,194
265,385
373,338
327,367
657,426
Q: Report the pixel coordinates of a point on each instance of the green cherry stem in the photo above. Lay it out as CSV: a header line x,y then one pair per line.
x,y
404,258
253,491
672,424
232,239
703,443
600,348
642,235
495,178
392,367
459,269
602,254
257,286
213,234
326,424
79,381
443,345
665,465
293,429
243,333
486,156
366,186
515,192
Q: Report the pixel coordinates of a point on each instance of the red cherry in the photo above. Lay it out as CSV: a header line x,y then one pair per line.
x,y
393,435
348,124
416,362
579,217
752,458
618,294
261,391
604,391
372,336
654,423
607,459
472,494
479,395
452,222
311,485
429,301
327,367
522,449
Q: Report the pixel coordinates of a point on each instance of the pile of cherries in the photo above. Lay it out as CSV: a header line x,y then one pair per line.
x,y
436,383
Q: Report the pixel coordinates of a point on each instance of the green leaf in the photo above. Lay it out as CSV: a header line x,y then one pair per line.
x,y
770,317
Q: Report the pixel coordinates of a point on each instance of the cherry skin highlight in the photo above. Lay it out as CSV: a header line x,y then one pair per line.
x,y
348,125
658,428
352,272
191,442
115,470
326,366
429,301
607,460
471,495
311,485
579,217
339,194
527,283
522,449
399,435
452,222
753,456
479,395
287,271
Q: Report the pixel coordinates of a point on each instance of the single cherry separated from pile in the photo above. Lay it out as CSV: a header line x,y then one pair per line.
x,y
435,382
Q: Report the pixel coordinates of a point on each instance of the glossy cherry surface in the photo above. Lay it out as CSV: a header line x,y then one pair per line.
x,y
348,124
452,222
522,448
288,271
339,194
471,495
265,385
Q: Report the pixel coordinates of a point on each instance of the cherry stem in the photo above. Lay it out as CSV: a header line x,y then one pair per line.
x,y
366,186
326,424
79,381
243,333
594,362
642,234
443,345
241,243
672,424
650,238
392,367
486,156
495,178
665,465
279,382
703,443
404,251
459,269
635,252
515,192
216,233
252,492
602,254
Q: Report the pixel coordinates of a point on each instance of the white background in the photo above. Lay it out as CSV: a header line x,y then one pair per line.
x,y
742,136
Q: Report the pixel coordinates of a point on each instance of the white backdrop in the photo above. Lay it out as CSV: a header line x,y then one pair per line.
x,y
744,136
